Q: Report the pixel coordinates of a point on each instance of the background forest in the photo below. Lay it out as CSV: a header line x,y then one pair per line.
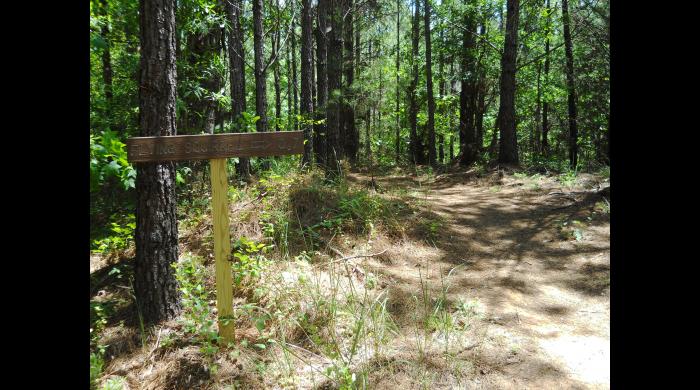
x,y
377,86
386,90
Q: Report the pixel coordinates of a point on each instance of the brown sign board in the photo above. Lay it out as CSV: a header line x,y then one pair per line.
x,y
213,146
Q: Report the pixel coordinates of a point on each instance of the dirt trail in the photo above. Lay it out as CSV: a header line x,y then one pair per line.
x,y
543,298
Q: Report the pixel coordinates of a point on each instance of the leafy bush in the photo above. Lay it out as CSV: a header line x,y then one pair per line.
x,y
568,178
114,383
96,365
108,159
121,235
99,311
250,259
197,317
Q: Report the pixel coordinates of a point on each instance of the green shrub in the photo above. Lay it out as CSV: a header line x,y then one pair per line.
x,y
249,260
196,317
108,159
120,236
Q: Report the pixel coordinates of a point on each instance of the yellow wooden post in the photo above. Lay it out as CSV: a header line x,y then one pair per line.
x,y
222,249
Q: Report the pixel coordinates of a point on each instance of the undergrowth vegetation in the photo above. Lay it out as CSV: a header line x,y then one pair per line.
x,y
301,313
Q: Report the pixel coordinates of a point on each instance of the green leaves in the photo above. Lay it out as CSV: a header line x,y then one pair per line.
x,y
121,234
181,173
98,42
108,160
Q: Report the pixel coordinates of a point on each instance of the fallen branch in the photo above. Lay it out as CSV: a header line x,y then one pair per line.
x,y
157,343
563,207
344,258
564,195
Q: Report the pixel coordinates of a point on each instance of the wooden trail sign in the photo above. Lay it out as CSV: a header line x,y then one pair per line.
x,y
216,148
212,146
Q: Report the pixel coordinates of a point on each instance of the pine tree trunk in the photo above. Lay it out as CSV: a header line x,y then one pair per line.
x,y
290,107
295,89
545,103
416,156
352,136
306,79
481,97
571,86
213,83
237,77
334,136
508,146
538,113
276,70
467,97
260,79
398,94
441,65
320,129
155,286
429,86
107,64
368,143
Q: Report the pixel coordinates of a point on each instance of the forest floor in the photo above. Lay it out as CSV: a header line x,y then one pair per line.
x,y
535,258
518,264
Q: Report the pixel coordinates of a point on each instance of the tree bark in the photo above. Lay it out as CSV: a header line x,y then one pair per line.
x,y
155,286
295,89
538,113
467,97
335,68
429,87
275,38
290,107
398,94
260,80
441,65
508,146
320,129
237,77
200,45
368,143
571,86
416,156
481,96
107,63
545,103
352,135
306,80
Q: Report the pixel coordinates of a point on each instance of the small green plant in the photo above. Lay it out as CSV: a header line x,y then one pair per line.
x,y
197,317
603,207
98,319
122,234
433,228
99,312
108,159
249,259
343,376
568,178
571,230
114,383
96,366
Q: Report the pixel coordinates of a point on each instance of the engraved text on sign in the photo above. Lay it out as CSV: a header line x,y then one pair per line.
x,y
210,146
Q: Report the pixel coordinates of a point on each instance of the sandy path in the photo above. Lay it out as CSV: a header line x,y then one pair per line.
x,y
544,299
